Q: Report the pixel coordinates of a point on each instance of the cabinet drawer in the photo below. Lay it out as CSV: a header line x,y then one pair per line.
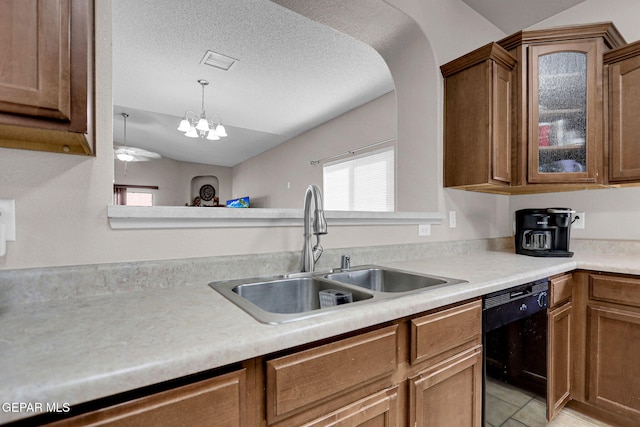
x,y
560,289
614,289
222,399
456,328
310,377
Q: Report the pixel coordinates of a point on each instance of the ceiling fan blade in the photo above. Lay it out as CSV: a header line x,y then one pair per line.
x,y
139,154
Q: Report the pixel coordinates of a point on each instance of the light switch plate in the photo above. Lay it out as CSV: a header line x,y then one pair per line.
x,y
8,217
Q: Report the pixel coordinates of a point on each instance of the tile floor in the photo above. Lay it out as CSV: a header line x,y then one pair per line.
x,y
510,407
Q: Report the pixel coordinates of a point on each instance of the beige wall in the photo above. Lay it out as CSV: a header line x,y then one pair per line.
x,y
61,200
266,177
173,179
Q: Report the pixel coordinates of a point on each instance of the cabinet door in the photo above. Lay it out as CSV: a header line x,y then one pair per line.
x,y
378,410
564,105
46,75
220,401
558,359
501,125
448,394
614,368
477,119
624,126
560,289
34,71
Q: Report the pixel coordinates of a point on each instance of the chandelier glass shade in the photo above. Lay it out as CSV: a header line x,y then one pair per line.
x,y
195,126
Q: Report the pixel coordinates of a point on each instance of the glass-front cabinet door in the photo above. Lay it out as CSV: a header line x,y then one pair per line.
x,y
563,98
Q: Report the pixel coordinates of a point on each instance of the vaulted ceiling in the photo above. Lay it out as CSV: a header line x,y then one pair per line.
x,y
290,74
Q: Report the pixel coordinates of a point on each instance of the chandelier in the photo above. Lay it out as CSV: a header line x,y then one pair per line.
x,y
195,126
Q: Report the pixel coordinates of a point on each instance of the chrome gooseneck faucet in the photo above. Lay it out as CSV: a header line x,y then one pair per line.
x,y
311,255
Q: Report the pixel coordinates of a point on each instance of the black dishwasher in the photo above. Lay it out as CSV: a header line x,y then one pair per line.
x,y
515,338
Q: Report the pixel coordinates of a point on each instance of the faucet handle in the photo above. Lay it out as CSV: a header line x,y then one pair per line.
x,y
345,262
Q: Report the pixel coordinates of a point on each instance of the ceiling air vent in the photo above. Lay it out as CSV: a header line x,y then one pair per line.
x,y
218,60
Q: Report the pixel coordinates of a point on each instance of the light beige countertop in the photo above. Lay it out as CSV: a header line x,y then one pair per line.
x,y
77,350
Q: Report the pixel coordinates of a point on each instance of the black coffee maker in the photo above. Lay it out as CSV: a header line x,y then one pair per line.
x,y
543,232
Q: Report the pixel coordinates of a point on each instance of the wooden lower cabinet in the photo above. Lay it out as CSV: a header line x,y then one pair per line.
x,y
219,401
448,394
378,410
604,319
614,360
362,380
310,383
444,333
559,359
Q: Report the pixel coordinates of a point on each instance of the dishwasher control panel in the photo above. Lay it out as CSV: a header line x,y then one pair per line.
x,y
503,307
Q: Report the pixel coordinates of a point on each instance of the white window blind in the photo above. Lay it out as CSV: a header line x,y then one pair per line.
x,y
139,199
364,183
133,195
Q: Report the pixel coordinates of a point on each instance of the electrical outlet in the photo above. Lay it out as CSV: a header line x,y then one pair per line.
x,y
424,230
579,220
8,218
452,219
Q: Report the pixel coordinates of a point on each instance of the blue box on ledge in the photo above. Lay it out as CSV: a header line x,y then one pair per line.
x,y
242,202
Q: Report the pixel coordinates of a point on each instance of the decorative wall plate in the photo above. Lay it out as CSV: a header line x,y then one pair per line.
x,y
207,192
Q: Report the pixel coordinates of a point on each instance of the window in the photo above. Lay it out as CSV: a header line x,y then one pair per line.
x,y
139,199
364,183
133,195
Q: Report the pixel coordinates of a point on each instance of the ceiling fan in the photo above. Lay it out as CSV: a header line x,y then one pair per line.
x,y
132,154
126,153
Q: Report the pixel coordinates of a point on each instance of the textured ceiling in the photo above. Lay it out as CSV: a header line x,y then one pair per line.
x,y
292,74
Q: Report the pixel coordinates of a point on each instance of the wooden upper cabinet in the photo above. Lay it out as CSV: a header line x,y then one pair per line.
x,y
558,128
477,119
46,75
623,65
555,111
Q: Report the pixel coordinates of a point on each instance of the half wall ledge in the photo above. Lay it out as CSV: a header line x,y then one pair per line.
x,y
134,217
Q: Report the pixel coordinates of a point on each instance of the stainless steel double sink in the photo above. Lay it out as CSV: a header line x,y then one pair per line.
x,y
287,298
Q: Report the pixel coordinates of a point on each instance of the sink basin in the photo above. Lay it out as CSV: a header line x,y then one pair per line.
x,y
381,279
280,300
295,297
